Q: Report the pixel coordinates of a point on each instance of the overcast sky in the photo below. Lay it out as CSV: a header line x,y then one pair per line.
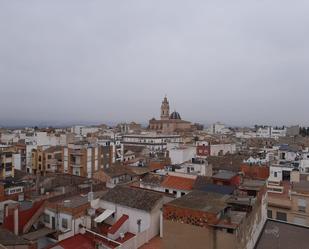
x,y
241,62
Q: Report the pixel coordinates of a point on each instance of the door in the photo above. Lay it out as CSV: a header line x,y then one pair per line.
x,y
53,223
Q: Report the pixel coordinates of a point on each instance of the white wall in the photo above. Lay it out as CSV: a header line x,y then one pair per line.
x,y
150,222
17,161
304,166
275,174
181,155
225,148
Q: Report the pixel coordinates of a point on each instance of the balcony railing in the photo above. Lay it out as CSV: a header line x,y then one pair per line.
x,y
76,165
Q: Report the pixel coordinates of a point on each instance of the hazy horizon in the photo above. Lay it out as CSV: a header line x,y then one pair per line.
x,y
71,61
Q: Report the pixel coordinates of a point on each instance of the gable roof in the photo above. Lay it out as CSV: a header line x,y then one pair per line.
x,y
117,170
177,182
133,197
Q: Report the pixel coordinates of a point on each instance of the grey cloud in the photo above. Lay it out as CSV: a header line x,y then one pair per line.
x,y
240,62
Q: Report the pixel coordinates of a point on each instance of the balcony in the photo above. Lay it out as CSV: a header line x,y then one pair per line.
x,y
76,152
76,165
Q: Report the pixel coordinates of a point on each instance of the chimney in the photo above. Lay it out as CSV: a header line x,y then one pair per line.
x,y
2,192
16,221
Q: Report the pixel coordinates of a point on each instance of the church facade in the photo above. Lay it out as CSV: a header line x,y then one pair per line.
x,y
169,123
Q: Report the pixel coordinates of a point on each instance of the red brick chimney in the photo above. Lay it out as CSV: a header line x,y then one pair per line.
x,y
2,193
13,209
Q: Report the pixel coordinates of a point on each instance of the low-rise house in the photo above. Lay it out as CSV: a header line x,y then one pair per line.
x,y
225,177
212,220
177,185
115,175
196,166
288,154
65,215
130,211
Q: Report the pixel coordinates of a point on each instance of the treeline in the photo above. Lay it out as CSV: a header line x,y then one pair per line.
x,y
304,131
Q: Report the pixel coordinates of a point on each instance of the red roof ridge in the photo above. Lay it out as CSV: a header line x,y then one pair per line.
x,y
114,228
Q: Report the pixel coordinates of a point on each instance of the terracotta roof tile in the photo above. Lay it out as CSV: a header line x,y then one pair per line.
x,y
176,182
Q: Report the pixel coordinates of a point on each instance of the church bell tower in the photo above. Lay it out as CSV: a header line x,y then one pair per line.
x,y
165,109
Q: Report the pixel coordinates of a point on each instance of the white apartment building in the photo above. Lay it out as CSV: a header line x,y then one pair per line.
x,y
271,132
152,141
84,130
218,128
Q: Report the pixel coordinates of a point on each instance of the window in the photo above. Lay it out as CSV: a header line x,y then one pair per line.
x,y
182,193
230,230
270,214
275,174
302,205
166,190
281,216
48,166
49,157
175,192
46,218
64,223
139,223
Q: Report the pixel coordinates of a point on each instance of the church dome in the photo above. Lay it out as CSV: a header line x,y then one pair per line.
x,y
175,115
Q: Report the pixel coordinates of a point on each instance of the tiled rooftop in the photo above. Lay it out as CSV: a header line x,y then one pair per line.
x,y
201,201
180,183
155,243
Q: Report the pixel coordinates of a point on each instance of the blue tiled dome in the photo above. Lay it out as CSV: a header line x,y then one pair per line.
x,y
175,115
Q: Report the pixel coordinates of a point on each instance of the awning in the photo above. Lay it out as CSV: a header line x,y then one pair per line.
x,y
104,215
